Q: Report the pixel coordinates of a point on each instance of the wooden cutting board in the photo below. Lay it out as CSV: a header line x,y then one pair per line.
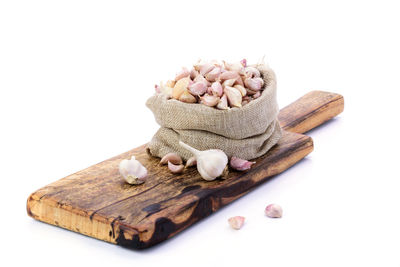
x,y
97,202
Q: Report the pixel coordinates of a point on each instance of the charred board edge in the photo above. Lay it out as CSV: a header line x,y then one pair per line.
x,y
310,111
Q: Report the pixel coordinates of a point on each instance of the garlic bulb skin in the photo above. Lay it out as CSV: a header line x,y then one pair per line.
x,y
132,171
210,163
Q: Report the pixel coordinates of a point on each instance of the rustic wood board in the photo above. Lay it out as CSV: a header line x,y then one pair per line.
x,y
97,202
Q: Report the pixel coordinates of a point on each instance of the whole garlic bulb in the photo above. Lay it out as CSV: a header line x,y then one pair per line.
x,y
210,163
132,171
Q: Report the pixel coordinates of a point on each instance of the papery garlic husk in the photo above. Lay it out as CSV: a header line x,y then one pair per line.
x,y
254,84
132,171
187,97
223,103
198,88
240,164
182,74
241,89
213,75
252,72
191,162
236,222
175,168
216,89
209,100
210,163
180,87
171,157
234,96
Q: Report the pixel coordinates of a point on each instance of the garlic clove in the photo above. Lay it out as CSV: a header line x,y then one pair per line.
x,y
223,103
213,75
257,95
210,163
191,162
158,88
241,89
234,96
180,87
229,82
216,89
175,168
187,97
273,211
132,171
236,222
170,83
182,74
209,100
250,92
200,78
228,75
254,84
243,62
193,73
239,80
252,72
238,67
240,164
206,68
171,157
198,88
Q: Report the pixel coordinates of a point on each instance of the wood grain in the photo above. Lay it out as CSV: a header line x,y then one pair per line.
x,y
97,202
310,111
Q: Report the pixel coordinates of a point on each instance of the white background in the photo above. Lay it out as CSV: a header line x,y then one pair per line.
x,y
74,78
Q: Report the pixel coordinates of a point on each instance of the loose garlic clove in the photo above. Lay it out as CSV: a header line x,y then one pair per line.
x,y
171,157
209,100
216,89
234,96
273,211
206,68
236,222
170,83
187,97
252,72
240,164
241,89
250,92
180,87
210,163
175,168
198,88
254,84
223,103
182,74
229,82
239,80
213,75
191,162
132,171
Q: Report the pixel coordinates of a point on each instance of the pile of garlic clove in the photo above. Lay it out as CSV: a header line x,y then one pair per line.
x,y
215,84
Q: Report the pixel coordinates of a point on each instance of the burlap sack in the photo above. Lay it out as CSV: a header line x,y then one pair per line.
x,y
247,132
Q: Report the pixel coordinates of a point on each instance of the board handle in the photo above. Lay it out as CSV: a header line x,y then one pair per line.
x,y
310,111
